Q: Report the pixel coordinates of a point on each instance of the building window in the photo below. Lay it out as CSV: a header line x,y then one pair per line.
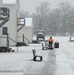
x,y
4,30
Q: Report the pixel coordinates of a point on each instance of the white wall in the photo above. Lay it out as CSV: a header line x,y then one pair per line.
x,y
28,33
0,3
0,28
28,22
11,24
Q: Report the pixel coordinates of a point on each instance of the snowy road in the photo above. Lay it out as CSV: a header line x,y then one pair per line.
x,y
55,62
65,59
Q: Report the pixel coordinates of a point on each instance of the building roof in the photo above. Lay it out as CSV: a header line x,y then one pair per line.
x,y
9,1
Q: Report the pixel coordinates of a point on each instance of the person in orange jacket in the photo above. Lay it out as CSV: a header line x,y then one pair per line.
x,y
50,40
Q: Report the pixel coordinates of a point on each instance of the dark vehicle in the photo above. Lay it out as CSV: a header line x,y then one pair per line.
x,y
40,34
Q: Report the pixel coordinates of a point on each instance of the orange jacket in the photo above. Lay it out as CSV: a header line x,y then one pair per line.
x,y
50,40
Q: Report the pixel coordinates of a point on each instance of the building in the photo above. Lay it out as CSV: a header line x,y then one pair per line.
x,y
27,31
0,7
16,33
10,27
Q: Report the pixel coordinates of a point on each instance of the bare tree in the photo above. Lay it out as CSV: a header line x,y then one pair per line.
x,y
42,12
59,21
65,8
24,14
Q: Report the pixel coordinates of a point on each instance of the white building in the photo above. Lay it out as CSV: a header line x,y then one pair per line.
x,y
0,7
27,30
0,3
11,25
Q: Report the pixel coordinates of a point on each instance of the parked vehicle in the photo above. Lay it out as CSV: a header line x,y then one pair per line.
x,y
40,34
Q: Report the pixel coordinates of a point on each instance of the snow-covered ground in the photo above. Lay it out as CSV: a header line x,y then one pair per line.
x,y
17,62
65,58
20,61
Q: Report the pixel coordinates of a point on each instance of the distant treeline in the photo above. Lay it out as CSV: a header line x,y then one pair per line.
x,y
58,21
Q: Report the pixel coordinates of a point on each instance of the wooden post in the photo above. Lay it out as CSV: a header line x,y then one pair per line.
x,y
7,40
17,49
23,37
70,38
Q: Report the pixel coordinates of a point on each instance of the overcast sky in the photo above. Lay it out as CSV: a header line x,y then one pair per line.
x,y
29,5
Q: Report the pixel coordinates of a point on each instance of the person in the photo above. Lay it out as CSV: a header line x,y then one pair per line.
x,y
50,40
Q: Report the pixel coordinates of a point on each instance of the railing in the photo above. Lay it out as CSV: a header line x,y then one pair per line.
x,y
20,28
21,23
12,40
24,38
27,39
8,38
3,22
4,15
